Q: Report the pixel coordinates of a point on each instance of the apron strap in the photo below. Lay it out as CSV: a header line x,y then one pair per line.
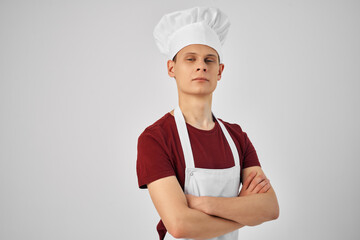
x,y
230,142
184,137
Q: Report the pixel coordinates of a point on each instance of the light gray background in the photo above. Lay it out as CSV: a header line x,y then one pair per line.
x,y
80,80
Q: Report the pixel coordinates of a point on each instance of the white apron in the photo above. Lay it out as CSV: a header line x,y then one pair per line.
x,y
208,182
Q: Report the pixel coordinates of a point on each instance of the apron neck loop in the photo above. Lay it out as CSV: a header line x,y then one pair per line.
x,y
185,140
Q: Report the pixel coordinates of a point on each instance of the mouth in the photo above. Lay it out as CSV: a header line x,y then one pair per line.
x,y
200,79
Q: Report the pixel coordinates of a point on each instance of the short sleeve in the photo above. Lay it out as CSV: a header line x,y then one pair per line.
x,y
153,161
250,156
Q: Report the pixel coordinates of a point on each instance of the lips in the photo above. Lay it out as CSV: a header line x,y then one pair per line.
x,y
201,78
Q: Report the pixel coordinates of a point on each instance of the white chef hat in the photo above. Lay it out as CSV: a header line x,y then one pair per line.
x,y
198,25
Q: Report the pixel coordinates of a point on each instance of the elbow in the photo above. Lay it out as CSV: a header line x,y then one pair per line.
x,y
177,228
268,213
275,212
176,232
178,224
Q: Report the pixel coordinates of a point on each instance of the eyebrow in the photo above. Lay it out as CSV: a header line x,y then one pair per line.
x,y
197,54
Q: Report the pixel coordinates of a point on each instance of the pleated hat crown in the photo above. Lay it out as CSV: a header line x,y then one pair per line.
x,y
198,25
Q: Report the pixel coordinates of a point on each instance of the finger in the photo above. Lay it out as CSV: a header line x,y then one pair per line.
x,y
248,180
258,179
260,186
265,187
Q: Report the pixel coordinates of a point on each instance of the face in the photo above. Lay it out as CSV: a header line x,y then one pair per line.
x,y
196,61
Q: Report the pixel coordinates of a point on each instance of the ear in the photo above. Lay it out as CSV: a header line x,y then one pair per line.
x,y
221,69
170,68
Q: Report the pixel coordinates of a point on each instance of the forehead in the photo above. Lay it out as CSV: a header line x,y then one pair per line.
x,y
199,49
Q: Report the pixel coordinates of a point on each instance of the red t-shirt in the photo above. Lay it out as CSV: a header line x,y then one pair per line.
x,y
159,152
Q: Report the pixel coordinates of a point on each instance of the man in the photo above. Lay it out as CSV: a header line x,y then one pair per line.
x,y
191,162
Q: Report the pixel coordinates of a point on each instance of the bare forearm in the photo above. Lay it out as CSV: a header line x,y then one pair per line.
x,y
248,210
195,224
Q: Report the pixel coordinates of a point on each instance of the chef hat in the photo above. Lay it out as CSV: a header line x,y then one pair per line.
x,y
198,25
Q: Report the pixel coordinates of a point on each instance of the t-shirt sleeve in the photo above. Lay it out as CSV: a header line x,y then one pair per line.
x,y
250,156
153,161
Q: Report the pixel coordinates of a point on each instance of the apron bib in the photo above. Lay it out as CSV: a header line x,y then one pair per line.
x,y
208,182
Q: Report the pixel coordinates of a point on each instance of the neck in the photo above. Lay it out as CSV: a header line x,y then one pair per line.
x,y
197,111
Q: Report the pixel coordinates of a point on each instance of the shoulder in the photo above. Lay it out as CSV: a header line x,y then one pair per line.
x,y
154,152
157,130
241,139
236,132
232,127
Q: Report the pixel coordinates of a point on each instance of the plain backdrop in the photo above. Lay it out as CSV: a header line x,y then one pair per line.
x,y
80,81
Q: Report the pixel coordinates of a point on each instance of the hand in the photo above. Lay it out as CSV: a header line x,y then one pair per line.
x,y
254,184
195,202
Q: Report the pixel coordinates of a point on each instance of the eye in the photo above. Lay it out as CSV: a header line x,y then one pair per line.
x,y
190,59
209,60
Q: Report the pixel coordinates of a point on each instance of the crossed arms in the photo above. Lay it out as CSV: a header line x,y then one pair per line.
x,y
187,216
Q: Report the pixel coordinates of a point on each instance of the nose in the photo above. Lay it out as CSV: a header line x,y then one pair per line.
x,y
201,66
